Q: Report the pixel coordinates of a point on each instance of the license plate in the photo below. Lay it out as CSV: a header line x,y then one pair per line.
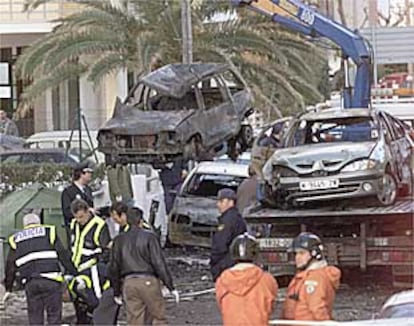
x,y
318,184
269,243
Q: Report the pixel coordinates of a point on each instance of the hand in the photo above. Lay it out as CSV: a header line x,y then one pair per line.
x,y
118,300
176,296
5,297
80,284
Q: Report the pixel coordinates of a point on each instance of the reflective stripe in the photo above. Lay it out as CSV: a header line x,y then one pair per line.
x,y
12,243
52,234
87,264
96,282
73,282
55,276
106,285
126,228
36,255
101,224
90,252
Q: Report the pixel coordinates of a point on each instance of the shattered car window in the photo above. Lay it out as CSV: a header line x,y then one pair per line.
x,y
208,185
360,129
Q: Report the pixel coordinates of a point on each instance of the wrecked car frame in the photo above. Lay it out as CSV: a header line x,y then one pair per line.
x,y
194,215
341,154
178,111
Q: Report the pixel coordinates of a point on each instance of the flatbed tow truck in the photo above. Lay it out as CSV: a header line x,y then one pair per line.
x,y
354,235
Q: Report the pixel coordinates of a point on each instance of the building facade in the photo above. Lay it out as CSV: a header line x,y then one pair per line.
x,y
58,108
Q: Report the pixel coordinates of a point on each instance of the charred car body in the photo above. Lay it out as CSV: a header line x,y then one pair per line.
x,y
339,154
194,216
179,111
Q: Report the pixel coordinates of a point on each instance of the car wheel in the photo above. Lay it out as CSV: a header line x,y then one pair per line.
x,y
388,193
245,136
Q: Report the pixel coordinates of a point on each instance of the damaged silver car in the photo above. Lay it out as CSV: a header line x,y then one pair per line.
x,y
194,216
179,111
338,154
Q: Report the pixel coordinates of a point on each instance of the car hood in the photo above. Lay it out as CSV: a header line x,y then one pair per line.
x,y
132,121
329,154
201,210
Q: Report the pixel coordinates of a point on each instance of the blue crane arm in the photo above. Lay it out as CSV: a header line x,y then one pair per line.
x,y
297,16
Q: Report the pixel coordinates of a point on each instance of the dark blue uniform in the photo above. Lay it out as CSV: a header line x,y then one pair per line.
x,y
231,224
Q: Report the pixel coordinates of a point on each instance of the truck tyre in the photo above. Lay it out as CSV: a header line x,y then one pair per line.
x,y
388,194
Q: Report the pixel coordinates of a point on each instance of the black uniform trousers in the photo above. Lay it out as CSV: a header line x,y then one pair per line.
x,y
43,294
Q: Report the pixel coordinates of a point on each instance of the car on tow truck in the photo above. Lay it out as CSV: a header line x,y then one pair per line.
x,y
179,111
337,154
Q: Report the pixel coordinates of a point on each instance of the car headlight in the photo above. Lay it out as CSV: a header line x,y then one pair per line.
x,y
360,165
282,171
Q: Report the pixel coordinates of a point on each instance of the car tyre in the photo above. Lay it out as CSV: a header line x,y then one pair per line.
x,y
388,194
246,137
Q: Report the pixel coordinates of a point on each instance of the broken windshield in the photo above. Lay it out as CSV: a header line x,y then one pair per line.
x,y
208,185
355,129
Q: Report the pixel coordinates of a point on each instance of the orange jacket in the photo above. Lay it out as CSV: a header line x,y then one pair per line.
x,y
311,293
245,295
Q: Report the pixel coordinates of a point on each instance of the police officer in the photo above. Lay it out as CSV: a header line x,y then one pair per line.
x,y
79,189
311,293
137,262
89,241
230,225
35,252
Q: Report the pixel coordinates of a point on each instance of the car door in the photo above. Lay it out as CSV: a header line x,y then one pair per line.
x,y
398,146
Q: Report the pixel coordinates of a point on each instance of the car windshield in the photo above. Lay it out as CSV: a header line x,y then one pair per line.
x,y
208,185
354,129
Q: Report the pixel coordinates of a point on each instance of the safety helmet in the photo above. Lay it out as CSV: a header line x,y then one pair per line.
x,y
244,248
310,242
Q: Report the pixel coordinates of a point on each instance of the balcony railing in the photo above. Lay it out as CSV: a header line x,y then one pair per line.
x,y
11,11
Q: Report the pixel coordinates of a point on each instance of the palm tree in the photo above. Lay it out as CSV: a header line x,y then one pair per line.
x,y
143,35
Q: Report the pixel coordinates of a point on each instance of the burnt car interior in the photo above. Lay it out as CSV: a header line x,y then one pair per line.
x,y
208,185
356,129
208,93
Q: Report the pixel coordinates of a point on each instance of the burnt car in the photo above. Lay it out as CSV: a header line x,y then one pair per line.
x,y
194,215
338,154
179,111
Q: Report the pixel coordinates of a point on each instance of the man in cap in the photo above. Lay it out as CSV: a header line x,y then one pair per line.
x,y
137,261
230,225
79,189
36,253
311,293
245,285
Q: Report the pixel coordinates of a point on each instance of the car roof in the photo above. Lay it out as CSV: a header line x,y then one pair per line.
x,y
226,168
334,113
61,134
399,298
33,151
175,79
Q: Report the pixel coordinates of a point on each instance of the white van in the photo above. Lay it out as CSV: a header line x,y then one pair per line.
x,y
60,139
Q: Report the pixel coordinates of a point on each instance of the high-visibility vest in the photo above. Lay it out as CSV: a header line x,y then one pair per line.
x,y
36,255
85,243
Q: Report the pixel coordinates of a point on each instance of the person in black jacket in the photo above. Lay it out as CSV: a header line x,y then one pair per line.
x,y
36,253
137,261
79,189
230,225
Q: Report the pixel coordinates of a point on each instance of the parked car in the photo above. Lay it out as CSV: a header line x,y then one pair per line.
x,y
60,139
399,305
179,111
38,156
194,215
339,154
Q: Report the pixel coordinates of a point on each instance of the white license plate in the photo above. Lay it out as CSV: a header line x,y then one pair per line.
x,y
319,184
269,243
